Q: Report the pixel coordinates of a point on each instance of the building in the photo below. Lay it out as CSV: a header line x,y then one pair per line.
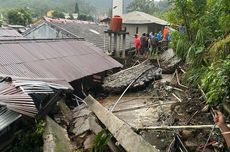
x,y
71,60
140,22
8,33
118,7
62,28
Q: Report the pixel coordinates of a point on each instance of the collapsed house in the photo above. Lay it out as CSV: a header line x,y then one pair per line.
x,y
25,98
36,74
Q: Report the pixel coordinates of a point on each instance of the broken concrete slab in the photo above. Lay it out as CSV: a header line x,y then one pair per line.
x,y
81,126
140,111
89,142
141,74
169,61
96,128
129,140
84,112
55,138
67,113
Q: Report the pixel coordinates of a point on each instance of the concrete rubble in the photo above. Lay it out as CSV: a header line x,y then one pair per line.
x,y
169,61
55,138
123,133
141,73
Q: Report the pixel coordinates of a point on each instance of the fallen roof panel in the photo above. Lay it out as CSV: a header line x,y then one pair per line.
x,y
7,117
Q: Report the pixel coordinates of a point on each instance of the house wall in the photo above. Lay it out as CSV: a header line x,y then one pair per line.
x,y
131,28
142,28
155,28
45,32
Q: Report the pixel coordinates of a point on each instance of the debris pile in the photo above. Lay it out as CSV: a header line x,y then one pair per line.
x,y
169,61
139,75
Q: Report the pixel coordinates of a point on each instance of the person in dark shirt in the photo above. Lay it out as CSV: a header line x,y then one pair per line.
x,y
143,43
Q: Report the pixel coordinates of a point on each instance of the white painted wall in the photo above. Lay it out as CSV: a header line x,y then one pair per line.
x,y
118,7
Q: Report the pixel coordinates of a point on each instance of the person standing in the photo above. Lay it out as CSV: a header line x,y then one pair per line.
x,y
165,33
147,45
137,43
143,43
159,36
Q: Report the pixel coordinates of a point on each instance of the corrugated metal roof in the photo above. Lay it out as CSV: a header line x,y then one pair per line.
x,y
67,60
16,94
137,17
7,117
9,34
91,32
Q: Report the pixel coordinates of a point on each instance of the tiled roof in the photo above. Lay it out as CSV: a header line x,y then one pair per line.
x,y
68,60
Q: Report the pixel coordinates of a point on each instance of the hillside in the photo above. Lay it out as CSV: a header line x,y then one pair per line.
x,y
67,5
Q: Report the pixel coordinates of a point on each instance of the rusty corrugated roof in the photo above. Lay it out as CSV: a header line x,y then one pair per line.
x,y
67,59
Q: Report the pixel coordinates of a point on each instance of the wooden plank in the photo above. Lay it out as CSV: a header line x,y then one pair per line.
x,y
129,140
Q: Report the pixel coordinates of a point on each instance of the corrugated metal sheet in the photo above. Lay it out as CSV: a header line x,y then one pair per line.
x,y
91,32
16,95
9,34
7,117
67,60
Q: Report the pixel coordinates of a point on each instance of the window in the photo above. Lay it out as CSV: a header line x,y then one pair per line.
x,y
136,29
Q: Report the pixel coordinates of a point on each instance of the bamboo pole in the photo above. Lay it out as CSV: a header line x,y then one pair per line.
x,y
178,127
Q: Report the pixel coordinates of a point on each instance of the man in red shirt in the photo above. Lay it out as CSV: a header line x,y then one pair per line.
x,y
137,43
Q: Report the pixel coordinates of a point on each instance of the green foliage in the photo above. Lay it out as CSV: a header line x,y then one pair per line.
x,y
182,48
219,49
30,140
216,81
146,6
20,16
58,14
101,140
194,75
175,38
76,8
84,17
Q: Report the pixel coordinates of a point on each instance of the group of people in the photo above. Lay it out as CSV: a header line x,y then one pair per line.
x,y
150,43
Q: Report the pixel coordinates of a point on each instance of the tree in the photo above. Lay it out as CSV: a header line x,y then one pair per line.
x,y
146,6
76,8
58,14
84,17
20,16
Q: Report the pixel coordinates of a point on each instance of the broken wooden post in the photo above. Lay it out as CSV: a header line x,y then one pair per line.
x,y
129,140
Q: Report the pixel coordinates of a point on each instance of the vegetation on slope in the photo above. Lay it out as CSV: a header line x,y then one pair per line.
x,y
205,47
